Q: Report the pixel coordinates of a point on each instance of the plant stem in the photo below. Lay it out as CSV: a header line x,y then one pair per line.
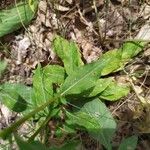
x,y
6,132
39,129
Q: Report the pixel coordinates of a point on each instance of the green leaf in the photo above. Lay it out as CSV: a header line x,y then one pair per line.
x,y
98,121
69,129
100,86
42,88
3,66
129,143
114,64
35,145
68,52
55,73
16,97
131,49
79,81
83,78
121,56
14,18
115,91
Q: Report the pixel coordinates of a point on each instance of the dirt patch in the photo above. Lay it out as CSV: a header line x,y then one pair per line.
x,y
6,3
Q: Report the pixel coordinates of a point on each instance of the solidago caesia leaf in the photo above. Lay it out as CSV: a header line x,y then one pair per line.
x,y
83,78
96,118
55,73
115,91
121,56
109,89
69,53
100,86
43,80
16,97
13,18
42,88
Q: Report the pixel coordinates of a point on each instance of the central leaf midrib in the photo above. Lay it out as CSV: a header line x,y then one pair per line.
x,y
84,77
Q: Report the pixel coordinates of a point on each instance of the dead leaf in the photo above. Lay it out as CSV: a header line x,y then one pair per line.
x,y
61,8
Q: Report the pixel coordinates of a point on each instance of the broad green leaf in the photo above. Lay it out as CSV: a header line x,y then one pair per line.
x,y
116,61
131,49
68,129
68,52
35,145
120,57
16,97
84,119
114,91
100,86
3,66
129,143
98,121
42,88
55,73
83,78
14,18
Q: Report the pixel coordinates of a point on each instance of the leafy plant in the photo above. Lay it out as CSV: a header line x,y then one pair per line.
x,y
75,84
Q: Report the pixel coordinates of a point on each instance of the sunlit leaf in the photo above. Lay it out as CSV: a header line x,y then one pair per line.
x,y
115,91
42,88
83,78
100,86
68,52
114,64
131,49
120,57
55,73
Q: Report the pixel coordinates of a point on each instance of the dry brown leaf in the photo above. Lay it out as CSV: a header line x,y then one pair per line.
x,y
61,8
145,11
69,1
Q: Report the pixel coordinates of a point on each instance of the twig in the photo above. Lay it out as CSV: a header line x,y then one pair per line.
x,y
98,22
141,98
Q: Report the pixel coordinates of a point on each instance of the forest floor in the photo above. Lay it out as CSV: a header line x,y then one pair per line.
x,y
97,26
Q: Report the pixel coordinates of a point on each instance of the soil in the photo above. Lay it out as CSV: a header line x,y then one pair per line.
x,y
96,29
6,3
